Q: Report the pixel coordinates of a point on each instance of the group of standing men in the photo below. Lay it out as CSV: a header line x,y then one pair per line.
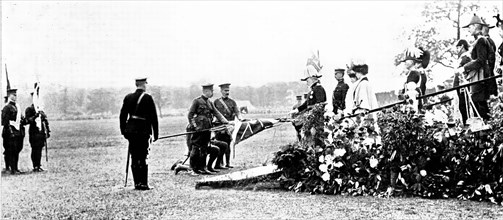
x,y
13,132
346,99
139,124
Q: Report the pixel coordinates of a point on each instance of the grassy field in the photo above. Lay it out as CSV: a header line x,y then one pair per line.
x,y
85,179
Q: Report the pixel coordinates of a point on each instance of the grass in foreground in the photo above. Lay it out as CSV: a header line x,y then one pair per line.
x,y
85,179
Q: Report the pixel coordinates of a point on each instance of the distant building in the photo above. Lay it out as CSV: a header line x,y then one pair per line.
x,y
245,106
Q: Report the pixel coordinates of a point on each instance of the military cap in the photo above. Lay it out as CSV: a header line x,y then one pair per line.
x,y
11,91
207,86
299,97
225,85
305,95
475,20
141,79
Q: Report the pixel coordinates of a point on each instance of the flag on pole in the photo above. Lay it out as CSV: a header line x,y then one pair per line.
x,y
244,130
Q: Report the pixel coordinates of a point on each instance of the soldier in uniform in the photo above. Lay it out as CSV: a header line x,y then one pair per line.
x,y
340,91
138,118
200,117
229,109
13,132
315,96
39,132
479,67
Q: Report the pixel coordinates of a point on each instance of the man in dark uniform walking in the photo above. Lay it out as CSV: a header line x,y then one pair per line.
x,y
39,132
13,132
340,91
138,119
200,118
229,110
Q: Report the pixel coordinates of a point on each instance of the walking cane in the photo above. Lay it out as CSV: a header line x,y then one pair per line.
x,y
127,167
46,156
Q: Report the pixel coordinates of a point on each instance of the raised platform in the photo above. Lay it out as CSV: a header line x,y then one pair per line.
x,y
239,178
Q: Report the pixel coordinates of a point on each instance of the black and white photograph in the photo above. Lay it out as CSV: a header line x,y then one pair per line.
x,y
252,109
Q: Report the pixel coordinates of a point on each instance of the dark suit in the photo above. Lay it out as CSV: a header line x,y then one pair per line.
x,y
137,124
12,137
38,135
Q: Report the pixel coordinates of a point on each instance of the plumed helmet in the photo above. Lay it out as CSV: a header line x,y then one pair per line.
x,y
475,20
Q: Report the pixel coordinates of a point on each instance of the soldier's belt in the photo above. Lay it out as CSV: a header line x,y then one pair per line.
x,y
137,117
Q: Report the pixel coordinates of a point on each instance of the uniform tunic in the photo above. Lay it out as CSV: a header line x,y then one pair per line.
x,y
339,96
478,68
137,122
12,137
38,135
315,96
200,116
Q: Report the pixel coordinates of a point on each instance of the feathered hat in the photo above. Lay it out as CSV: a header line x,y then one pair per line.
x,y
419,55
499,21
485,23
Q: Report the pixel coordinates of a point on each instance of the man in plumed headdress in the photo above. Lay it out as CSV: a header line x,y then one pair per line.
x,y
478,68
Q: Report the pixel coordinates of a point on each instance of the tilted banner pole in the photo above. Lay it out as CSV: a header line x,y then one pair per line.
x,y
426,96
221,127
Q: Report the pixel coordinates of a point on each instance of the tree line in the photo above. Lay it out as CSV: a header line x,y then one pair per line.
x,y
62,102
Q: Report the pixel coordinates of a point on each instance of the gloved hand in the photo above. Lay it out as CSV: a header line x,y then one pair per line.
x,y
294,111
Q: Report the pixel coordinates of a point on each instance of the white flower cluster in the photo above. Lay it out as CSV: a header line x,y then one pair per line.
x,y
328,162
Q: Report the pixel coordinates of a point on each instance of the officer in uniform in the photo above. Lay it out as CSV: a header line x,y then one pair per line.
x,y
200,117
340,91
229,110
138,118
13,132
39,132
315,96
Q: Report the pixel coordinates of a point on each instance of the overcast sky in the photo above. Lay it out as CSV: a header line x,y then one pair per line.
x,y
109,43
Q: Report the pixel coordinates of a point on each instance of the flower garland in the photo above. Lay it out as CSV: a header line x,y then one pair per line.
x,y
403,154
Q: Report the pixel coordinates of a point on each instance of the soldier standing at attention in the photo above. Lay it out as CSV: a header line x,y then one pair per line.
x,y
138,118
39,132
13,132
200,117
229,110
340,91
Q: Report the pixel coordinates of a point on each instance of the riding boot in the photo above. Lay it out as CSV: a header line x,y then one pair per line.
x,y
144,178
136,178
212,159
6,160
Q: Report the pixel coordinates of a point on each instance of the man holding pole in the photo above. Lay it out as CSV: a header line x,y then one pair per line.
x,y
138,118
39,130
229,110
200,118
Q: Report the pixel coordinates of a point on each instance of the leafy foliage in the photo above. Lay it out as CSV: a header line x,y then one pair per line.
x,y
402,156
